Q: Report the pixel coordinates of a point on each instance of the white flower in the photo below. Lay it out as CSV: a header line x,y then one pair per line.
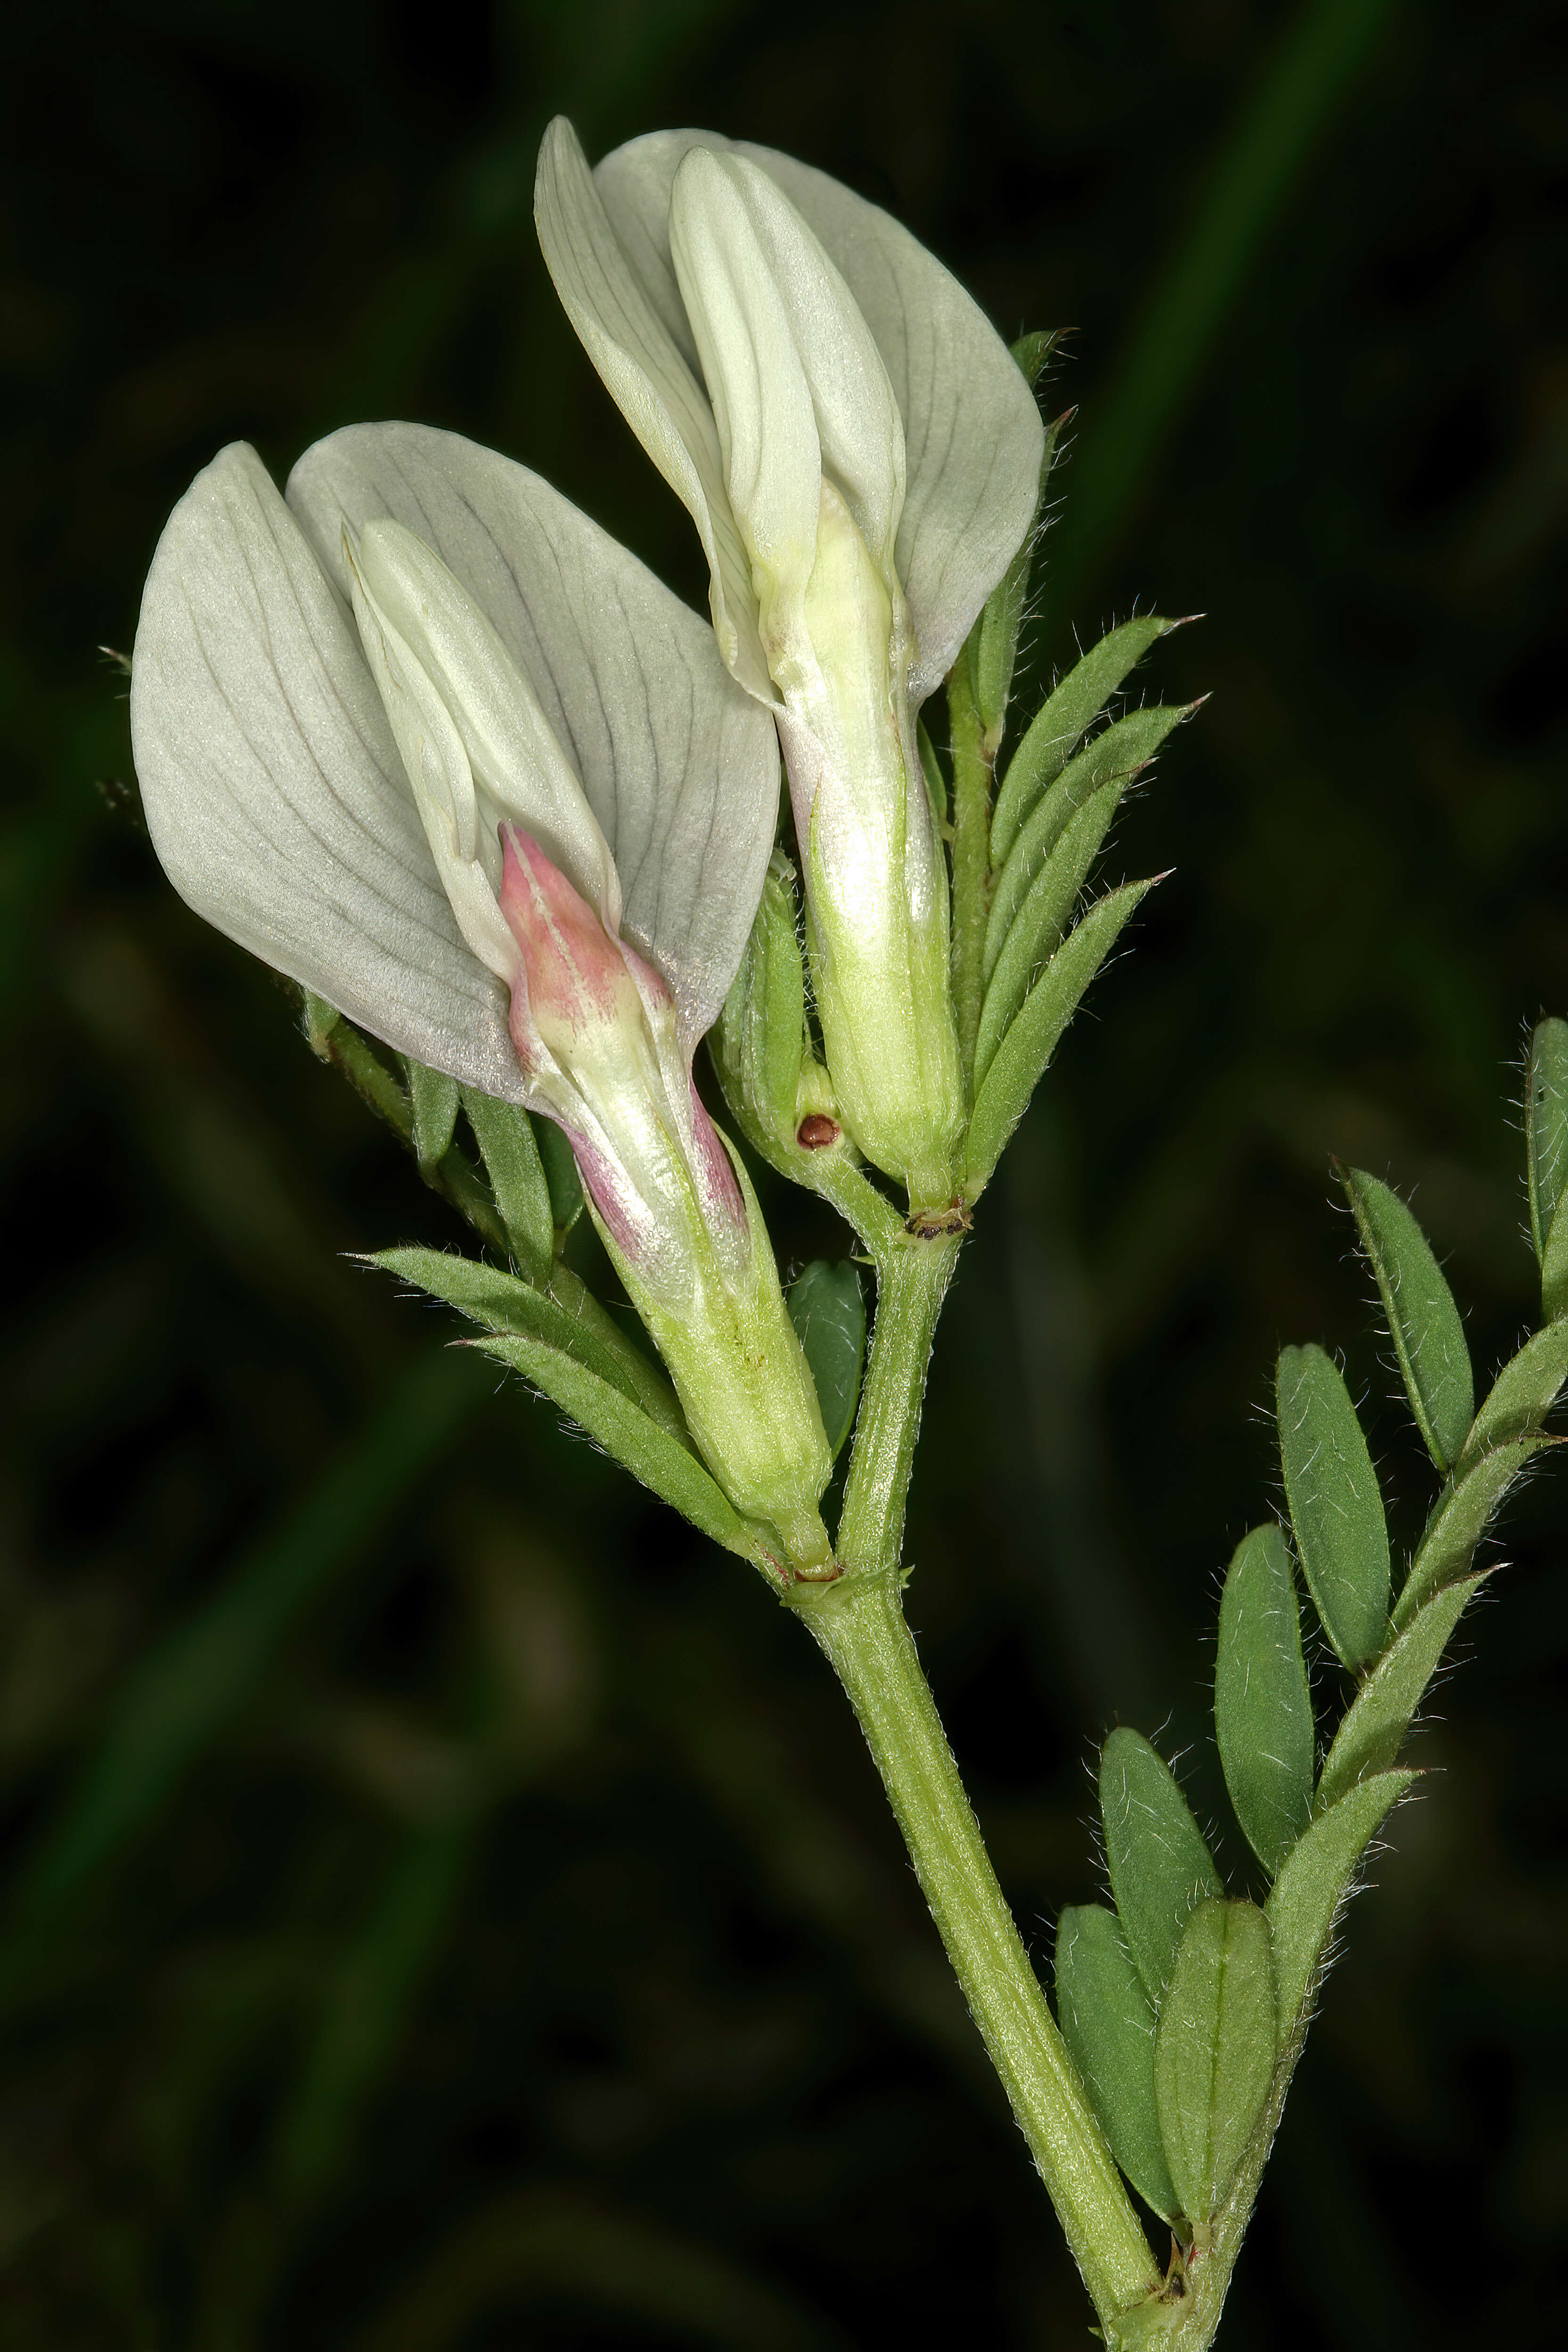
x,y
861,457
429,742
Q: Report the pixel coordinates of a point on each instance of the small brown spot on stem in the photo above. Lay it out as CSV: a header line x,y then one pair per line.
x,y
817,1131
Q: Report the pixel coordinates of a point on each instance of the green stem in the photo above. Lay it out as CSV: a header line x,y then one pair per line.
x,y
846,1186
972,780
859,1624
913,1275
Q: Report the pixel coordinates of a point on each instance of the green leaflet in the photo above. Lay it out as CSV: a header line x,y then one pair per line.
x,y
996,633
1061,721
1119,751
1214,2051
1458,1524
561,1177
1341,1535
1108,2024
1523,1395
1369,1738
505,1136
1313,1882
433,1096
759,1043
664,1462
1044,847
1546,1127
1262,1705
931,768
1020,1060
1554,1271
504,1305
827,1308
1423,1320
1154,1852
1041,921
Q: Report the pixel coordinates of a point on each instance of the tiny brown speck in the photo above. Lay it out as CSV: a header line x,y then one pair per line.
x,y
816,1132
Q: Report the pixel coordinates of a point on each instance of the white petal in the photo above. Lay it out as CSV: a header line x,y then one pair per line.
x,y
680,766
503,733
648,374
857,420
762,400
273,793
972,429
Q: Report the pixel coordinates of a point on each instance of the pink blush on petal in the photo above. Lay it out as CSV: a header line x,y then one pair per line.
x,y
717,1176
575,969
600,1176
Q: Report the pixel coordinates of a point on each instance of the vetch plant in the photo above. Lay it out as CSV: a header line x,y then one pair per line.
x,y
435,746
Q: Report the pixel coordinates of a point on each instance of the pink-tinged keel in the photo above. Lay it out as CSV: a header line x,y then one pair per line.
x,y
594,1025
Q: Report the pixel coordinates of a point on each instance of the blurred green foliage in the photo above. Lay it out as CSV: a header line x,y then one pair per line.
x,y
447,1906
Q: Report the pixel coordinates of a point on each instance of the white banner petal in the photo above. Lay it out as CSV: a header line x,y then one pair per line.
x,y
649,373
273,793
680,766
972,429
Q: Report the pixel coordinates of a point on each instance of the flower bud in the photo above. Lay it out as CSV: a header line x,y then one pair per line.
x,y
861,457
813,449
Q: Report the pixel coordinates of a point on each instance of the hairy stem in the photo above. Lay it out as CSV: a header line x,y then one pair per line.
x,y
859,1624
913,1275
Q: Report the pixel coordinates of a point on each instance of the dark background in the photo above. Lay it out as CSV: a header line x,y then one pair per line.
x,y
449,1905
